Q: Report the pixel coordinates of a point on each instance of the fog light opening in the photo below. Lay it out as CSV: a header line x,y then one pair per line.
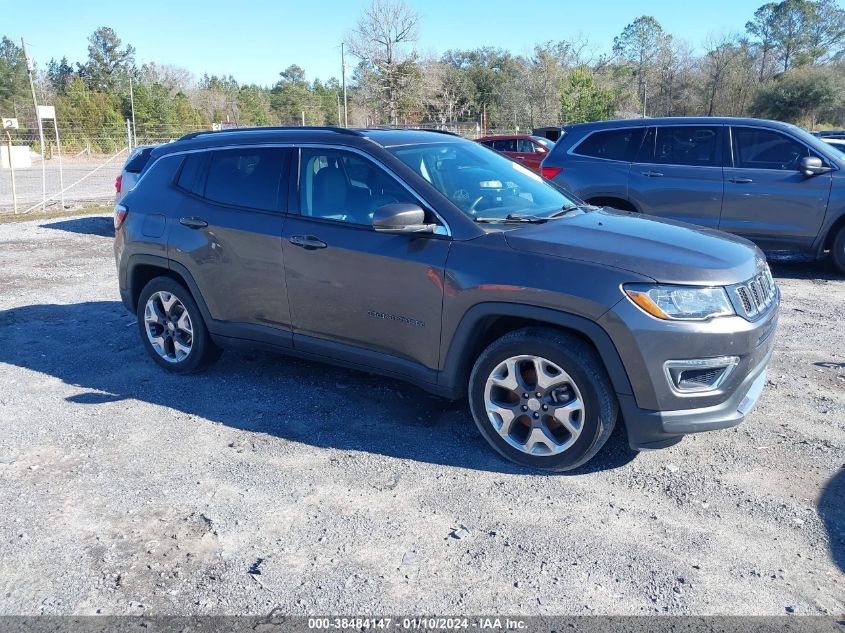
x,y
699,375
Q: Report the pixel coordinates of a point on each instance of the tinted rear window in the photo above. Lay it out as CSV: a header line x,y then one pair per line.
x,y
246,177
611,144
135,164
688,145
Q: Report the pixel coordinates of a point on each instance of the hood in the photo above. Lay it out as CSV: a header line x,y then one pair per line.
x,y
665,250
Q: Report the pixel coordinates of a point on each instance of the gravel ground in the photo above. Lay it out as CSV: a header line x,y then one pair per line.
x,y
275,483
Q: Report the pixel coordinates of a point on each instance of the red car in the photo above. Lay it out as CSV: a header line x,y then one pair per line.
x,y
528,150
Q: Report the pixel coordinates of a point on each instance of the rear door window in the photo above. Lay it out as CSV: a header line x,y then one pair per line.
x,y
756,148
249,177
505,145
692,145
611,144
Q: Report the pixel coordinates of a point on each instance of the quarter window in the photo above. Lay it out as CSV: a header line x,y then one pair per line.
x,y
688,145
189,173
765,149
611,144
248,177
345,187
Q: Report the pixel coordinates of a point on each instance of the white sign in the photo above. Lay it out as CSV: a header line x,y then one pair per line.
x,y
46,112
10,124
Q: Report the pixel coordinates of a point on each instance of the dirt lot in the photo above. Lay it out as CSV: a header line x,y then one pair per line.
x,y
273,483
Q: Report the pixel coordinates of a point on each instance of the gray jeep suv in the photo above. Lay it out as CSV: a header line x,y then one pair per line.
x,y
770,182
422,256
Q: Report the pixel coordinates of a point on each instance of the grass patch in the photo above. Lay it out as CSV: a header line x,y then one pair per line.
x,y
35,216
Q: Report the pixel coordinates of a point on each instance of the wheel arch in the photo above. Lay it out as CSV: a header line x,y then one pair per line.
x,y
143,268
486,322
832,232
613,201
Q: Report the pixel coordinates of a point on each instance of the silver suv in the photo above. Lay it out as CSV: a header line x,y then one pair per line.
x,y
770,182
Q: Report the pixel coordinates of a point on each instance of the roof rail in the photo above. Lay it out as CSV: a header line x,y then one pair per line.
x,y
338,130
433,129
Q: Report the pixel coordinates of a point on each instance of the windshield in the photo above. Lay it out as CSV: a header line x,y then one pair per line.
x,y
545,141
481,182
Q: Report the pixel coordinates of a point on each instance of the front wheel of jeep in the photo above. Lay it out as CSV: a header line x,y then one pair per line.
x,y
838,250
542,399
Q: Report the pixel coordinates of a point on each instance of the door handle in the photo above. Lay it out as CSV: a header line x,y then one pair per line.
x,y
193,222
652,174
740,181
308,242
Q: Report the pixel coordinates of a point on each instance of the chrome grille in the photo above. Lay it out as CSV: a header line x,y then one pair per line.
x,y
754,296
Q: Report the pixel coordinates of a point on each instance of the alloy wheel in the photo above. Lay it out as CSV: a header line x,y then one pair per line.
x,y
534,405
168,326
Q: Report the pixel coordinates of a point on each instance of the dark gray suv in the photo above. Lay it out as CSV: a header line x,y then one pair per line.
x,y
770,182
426,257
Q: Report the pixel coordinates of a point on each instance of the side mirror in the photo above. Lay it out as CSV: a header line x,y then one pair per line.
x,y
401,217
812,166
539,149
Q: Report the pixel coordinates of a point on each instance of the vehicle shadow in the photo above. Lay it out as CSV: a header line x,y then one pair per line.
x,y
102,226
822,270
832,512
298,400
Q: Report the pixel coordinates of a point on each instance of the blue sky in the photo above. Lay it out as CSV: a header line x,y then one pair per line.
x,y
255,39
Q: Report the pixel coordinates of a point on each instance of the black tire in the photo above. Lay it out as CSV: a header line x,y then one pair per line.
x,y
202,352
576,358
838,250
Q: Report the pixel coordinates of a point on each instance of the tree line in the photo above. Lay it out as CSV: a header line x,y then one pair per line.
x,y
786,63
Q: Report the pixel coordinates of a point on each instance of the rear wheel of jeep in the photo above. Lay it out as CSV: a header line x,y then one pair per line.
x,y
542,399
838,250
172,327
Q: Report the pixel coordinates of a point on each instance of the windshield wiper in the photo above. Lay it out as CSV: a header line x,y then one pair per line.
x,y
514,217
571,207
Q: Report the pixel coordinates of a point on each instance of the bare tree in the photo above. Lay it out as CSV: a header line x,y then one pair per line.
x,y
717,62
545,80
380,39
446,90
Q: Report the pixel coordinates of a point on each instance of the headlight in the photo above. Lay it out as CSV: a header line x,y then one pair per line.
x,y
680,303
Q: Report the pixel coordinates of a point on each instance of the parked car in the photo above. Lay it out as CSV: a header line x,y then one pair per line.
x,y
131,170
552,133
528,150
835,142
826,134
426,257
770,182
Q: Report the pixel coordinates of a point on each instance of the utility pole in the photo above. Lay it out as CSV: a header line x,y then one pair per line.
x,y
645,93
29,69
132,106
12,173
338,109
343,79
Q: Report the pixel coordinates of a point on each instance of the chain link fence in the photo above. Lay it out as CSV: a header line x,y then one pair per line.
x,y
84,171
78,170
